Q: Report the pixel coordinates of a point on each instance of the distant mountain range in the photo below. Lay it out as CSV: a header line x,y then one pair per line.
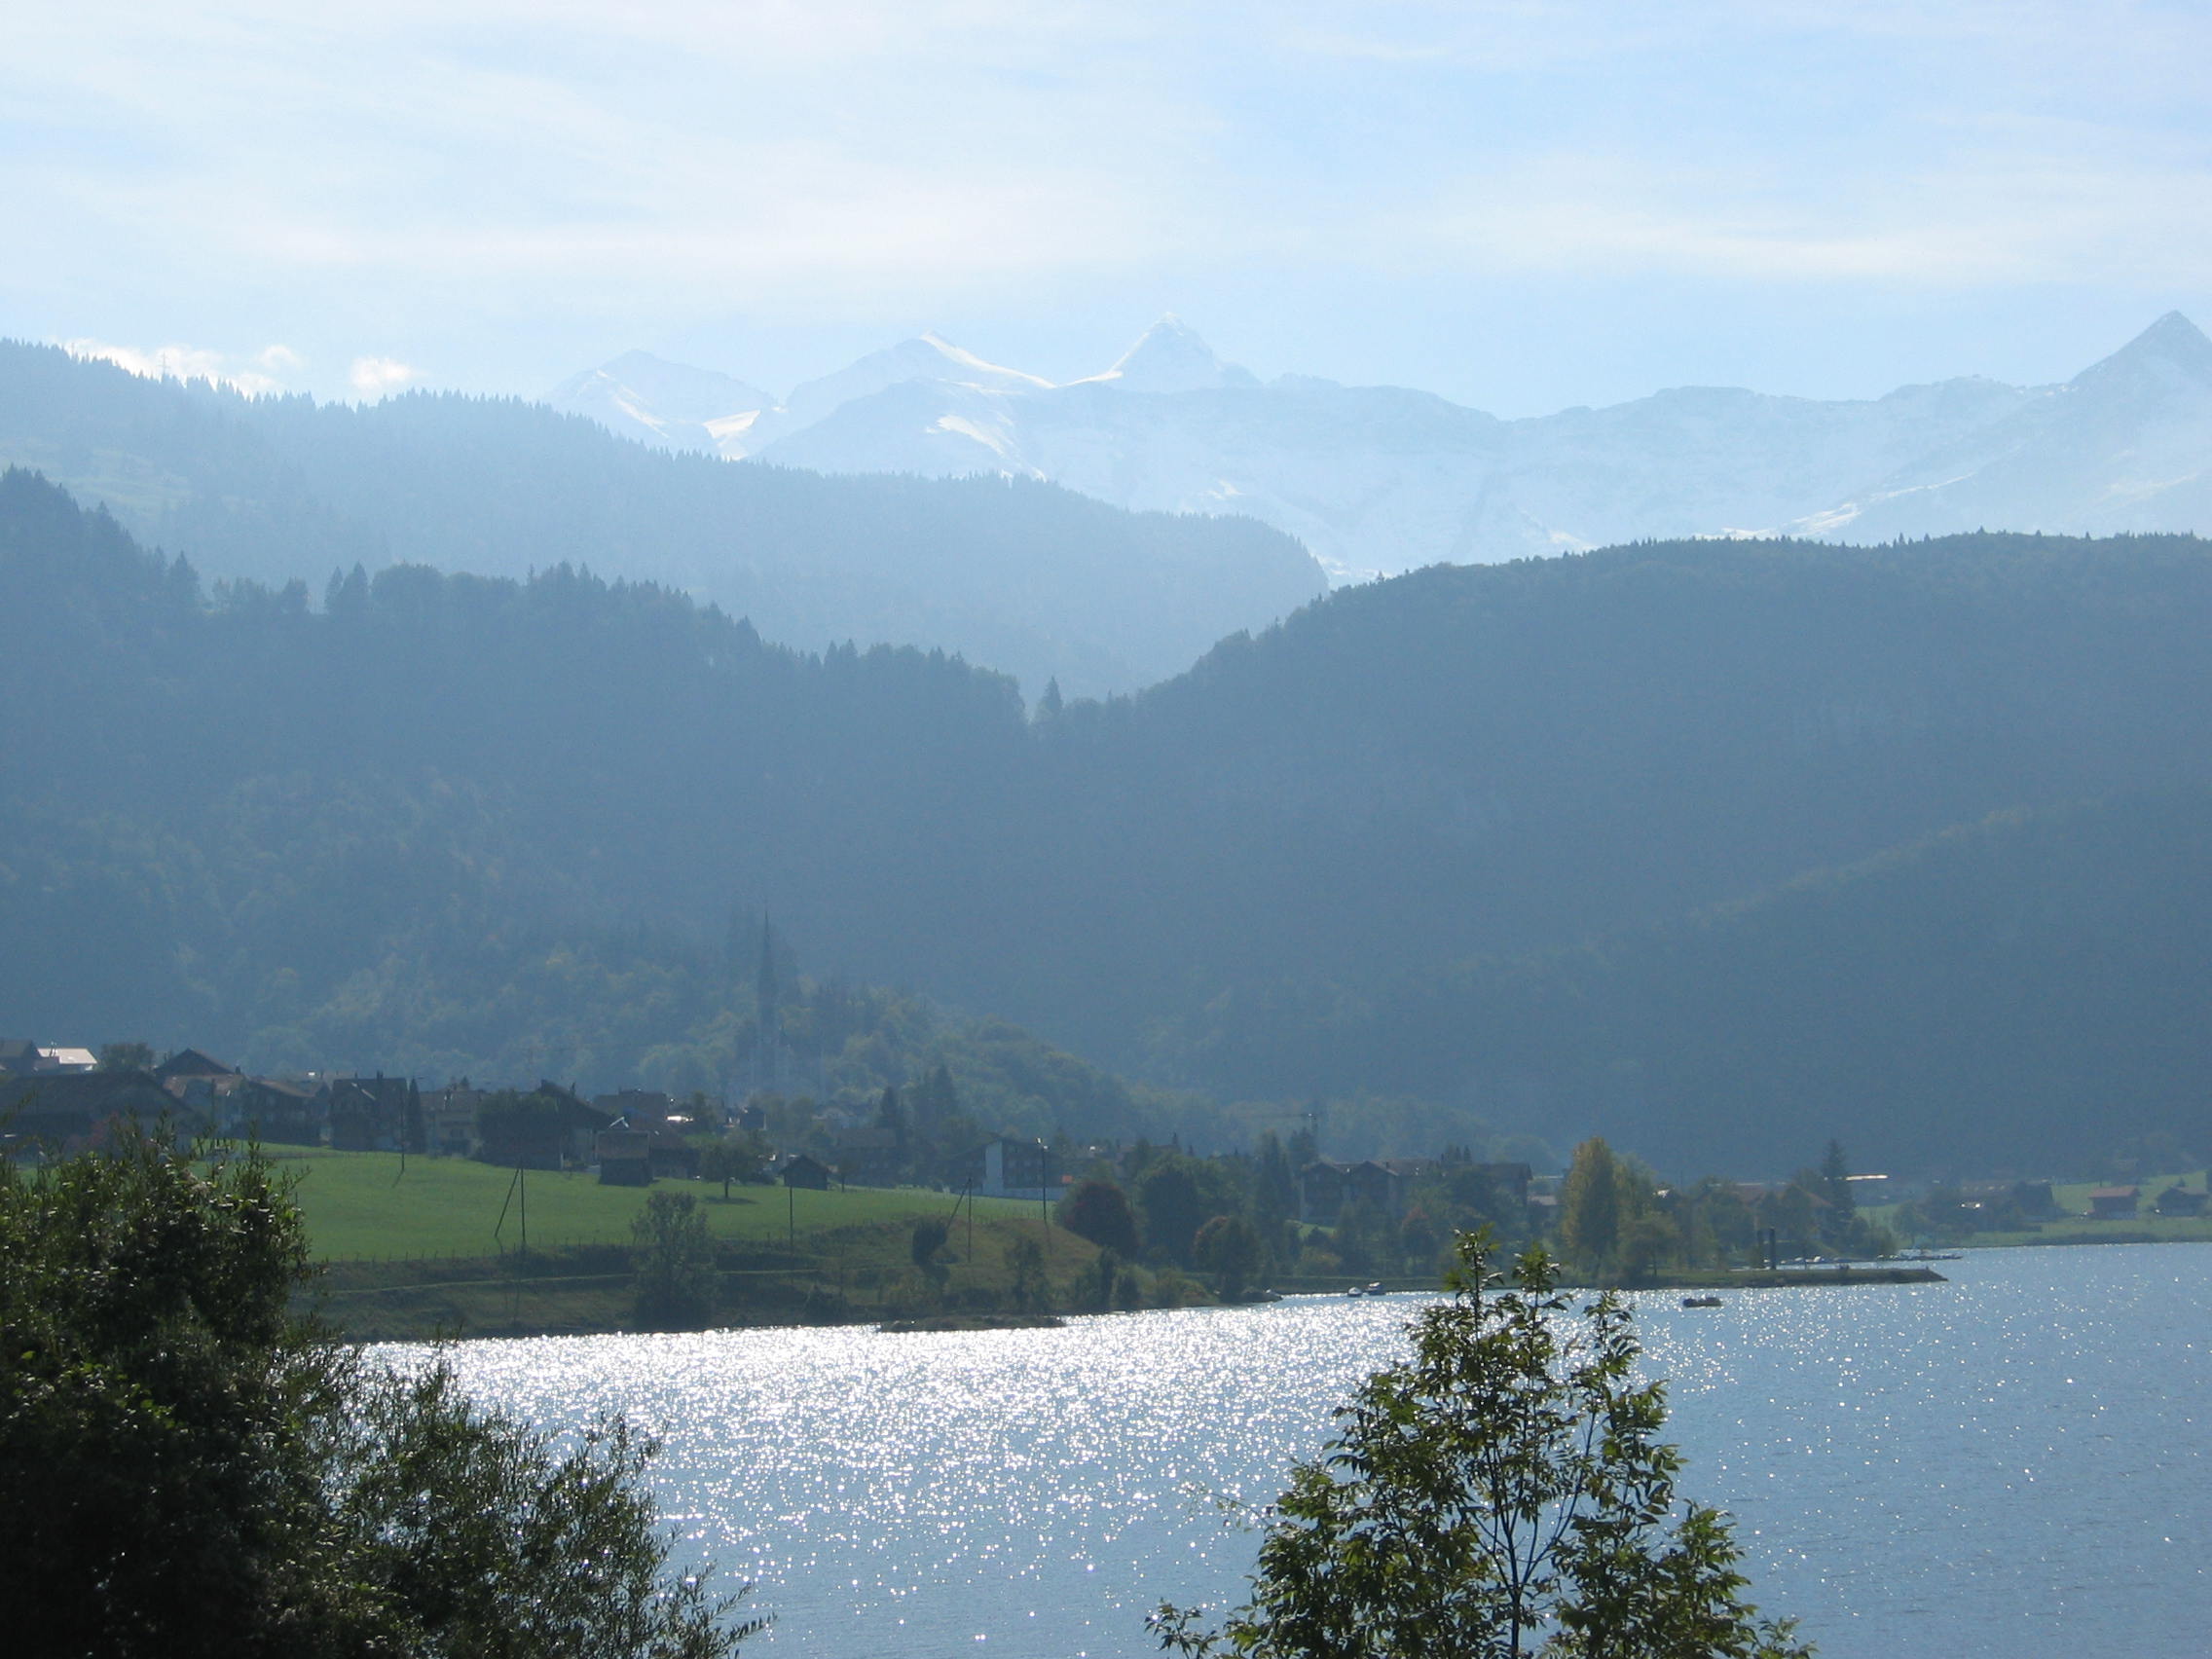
x,y
1017,575
1381,479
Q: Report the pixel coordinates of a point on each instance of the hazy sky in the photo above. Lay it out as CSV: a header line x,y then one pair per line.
x,y
1522,205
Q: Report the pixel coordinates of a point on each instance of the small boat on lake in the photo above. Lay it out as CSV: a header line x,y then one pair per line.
x,y
1375,1289
1701,1301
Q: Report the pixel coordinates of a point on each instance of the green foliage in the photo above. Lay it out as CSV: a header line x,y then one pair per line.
x,y
926,1247
1031,1287
487,1541
1099,1211
127,1056
1228,1247
676,1262
187,1468
1589,1212
1500,1493
731,1158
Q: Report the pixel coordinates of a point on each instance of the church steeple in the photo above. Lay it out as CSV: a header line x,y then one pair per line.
x,y
768,1015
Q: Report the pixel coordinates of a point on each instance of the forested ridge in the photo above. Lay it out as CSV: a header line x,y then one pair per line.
x,y
1720,847
1030,578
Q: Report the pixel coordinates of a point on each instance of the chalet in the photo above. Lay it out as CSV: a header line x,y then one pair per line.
x,y
871,1157
273,1109
543,1130
1325,1187
49,1060
369,1114
668,1125
636,1103
2032,1201
18,1057
625,1155
203,1101
668,1141
69,1111
2114,1204
800,1170
2178,1200
1005,1167
191,1063
449,1119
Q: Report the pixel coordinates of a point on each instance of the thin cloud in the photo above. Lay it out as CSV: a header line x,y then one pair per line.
x,y
178,363
380,377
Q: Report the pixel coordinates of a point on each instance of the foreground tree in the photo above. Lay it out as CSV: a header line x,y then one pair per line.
x,y
187,1467
1501,1493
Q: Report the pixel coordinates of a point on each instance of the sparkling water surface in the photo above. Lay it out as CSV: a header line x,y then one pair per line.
x,y
2018,1462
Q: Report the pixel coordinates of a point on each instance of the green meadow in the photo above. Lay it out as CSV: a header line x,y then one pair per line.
x,y
365,1206
428,1246
2072,1225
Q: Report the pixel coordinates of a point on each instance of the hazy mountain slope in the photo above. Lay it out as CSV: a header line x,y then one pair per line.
x,y
1023,576
250,815
1378,479
2028,992
2127,445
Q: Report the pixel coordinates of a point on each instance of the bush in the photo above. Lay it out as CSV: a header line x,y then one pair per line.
x,y
675,1289
188,1468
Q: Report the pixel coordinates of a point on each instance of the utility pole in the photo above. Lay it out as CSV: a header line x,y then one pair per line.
x,y
1043,1203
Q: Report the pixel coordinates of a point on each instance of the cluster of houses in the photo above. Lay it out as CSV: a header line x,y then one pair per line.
x,y
60,1096
63,1098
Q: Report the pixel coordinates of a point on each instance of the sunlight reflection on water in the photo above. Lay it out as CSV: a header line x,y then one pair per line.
x,y
1964,1469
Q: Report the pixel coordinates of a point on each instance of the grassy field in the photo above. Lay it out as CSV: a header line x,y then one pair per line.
x,y
2072,1225
361,1208
415,1253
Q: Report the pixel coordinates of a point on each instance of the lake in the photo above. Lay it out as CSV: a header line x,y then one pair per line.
x,y
2012,1463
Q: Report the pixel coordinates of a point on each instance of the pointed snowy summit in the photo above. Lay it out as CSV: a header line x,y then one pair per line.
x,y
1170,357
2171,350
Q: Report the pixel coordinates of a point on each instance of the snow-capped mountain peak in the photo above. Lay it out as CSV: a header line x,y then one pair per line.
x,y
1168,357
927,357
1377,479
2172,355
671,405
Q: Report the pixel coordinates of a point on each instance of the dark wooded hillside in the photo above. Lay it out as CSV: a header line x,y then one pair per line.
x,y
1545,842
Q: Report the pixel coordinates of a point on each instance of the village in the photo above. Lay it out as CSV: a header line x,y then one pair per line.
x,y
59,1099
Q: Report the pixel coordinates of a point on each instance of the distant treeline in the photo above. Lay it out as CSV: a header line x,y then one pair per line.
x,y
1719,848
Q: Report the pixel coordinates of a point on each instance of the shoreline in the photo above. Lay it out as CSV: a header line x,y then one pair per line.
x,y
520,1307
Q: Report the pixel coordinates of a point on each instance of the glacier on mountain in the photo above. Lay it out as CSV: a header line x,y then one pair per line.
x,y
1376,480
